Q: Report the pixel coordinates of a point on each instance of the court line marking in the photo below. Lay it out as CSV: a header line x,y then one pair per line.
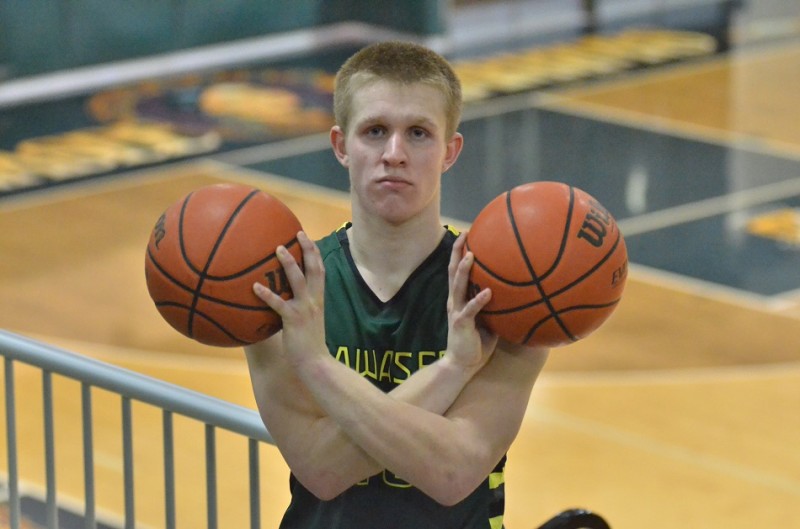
x,y
74,505
568,101
268,152
629,226
300,188
718,465
135,177
728,203
95,185
320,142
671,376
772,305
669,127
119,355
742,56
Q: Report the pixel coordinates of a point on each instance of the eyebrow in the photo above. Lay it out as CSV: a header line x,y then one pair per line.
x,y
415,120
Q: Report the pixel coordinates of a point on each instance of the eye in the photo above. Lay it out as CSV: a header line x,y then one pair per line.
x,y
374,131
419,133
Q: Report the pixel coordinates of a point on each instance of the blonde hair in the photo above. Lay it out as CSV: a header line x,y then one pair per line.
x,y
399,62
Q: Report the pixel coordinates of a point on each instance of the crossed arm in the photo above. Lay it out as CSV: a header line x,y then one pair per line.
x,y
451,422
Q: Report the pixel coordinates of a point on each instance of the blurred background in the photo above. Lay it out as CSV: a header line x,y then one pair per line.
x,y
680,116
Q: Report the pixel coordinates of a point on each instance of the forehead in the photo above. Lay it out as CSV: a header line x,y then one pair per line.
x,y
386,100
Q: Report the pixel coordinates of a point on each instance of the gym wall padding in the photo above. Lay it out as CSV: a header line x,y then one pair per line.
x,y
39,36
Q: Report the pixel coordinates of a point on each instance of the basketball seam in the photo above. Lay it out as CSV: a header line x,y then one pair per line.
x,y
497,276
557,260
518,308
565,236
204,274
545,298
583,276
205,317
205,297
252,267
563,289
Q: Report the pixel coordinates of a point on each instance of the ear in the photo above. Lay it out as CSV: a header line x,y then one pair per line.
x,y
338,143
454,147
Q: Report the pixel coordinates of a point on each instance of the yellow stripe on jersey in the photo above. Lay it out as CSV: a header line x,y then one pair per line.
x,y
496,522
496,479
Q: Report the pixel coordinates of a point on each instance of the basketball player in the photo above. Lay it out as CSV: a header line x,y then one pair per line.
x,y
392,408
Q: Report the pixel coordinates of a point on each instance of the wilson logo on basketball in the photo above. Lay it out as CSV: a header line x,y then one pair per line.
x,y
159,231
619,275
595,225
278,282
554,259
206,252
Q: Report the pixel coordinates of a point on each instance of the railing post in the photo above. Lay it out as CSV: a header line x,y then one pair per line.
x,y
255,486
130,386
49,451
211,476
88,457
169,470
127,458
11,440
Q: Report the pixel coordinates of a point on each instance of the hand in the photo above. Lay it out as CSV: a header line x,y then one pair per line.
x,y
303,315
468,344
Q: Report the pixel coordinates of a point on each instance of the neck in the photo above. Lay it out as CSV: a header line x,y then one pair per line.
x,y
386,254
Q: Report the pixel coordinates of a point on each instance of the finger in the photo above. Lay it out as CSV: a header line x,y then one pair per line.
x,y
312,262
471,308
294,274
273,300
456,254
460,283
477,303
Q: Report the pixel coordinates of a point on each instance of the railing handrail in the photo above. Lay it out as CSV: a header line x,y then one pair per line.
x,y
136,386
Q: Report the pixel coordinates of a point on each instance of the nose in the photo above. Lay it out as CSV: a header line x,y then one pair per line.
x,y
394,151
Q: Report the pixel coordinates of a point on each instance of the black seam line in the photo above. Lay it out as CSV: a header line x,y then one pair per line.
x,y
557,260
217,243
205,297
570,309
532,272
564,237
249,269
205,317
563,289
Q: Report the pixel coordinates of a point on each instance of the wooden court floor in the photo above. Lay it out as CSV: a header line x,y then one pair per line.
x,y
681,412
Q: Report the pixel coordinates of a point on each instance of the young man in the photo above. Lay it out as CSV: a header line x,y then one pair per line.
x,y
392,408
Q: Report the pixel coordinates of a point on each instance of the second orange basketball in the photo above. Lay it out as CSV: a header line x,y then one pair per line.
x,y
555,260
204,254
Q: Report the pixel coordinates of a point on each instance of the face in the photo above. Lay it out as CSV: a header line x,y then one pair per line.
x,y
396,150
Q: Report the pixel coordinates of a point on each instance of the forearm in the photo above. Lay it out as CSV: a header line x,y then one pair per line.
x,y
390,429
315,446
435,387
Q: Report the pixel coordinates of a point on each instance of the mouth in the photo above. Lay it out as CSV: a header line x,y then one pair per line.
x,y
393,180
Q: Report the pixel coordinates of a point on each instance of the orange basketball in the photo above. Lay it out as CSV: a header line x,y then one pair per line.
x,y
205,253
555,260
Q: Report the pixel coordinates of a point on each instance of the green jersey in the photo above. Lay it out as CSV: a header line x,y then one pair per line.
x,y
386,342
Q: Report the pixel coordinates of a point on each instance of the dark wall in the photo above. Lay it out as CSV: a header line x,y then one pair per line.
x,y
38,36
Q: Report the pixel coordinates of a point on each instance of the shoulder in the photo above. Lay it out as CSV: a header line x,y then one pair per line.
x,y
332,242
451,234
447,242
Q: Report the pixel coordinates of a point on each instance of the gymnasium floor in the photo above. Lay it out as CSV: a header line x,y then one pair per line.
x,y
680,412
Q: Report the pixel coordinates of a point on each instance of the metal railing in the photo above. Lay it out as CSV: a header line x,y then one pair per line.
x,y
129,386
